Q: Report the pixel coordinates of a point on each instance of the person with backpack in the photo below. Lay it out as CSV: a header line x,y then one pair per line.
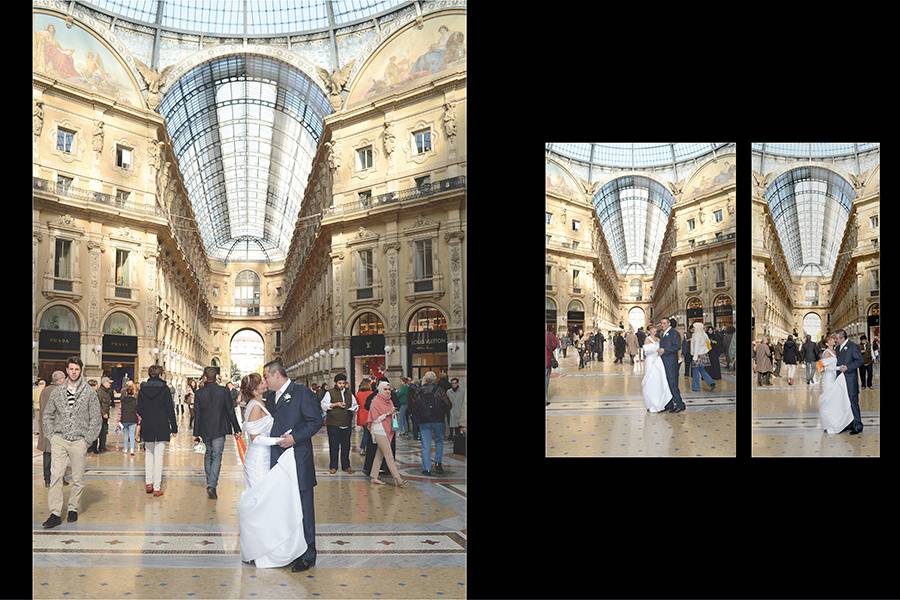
x,y
431,406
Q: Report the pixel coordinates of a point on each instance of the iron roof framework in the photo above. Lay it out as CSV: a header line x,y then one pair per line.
x,y
810,207
635,155
245,129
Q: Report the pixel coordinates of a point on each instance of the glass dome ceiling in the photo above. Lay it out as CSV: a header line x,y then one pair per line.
x,y
814,150
633,213
810,207
245,129
633,155
239,18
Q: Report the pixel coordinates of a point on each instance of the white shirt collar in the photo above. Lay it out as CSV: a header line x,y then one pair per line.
x,y
282,389
842,345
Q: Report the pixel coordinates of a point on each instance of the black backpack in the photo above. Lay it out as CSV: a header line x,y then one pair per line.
x,y
429,408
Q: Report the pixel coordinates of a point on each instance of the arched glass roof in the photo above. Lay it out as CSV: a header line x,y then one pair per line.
x,y
810,207
245,130
632,155
250,18
633,213
814,150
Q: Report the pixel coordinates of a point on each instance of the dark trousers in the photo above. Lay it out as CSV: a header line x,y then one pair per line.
x,y
339,439
100,443
415,427
687,367
366,439
865,376
370,456
564,352
46,467
777,367
672,378
309,523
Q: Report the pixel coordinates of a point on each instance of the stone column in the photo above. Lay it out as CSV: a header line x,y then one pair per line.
x,y
36,238
94,334
394,337
456,332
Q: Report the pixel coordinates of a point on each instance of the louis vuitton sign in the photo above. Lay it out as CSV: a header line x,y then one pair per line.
x,y
367,345
433,340
53,343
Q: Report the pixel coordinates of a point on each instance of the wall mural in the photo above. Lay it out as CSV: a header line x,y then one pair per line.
x,y
560,182
413,56
713,175
77,57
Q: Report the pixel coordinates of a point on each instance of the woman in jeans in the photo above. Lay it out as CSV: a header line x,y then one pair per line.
x,y
128,417
158,425
402,399
700,344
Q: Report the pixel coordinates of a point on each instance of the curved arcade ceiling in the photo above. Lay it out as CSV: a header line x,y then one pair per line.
x,y
810,207
245,130
815,150
633,212
635,155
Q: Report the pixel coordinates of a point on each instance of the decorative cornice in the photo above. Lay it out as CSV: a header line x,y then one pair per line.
x,y
395,246
454,235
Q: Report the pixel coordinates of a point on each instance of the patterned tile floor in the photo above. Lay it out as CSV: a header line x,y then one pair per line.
x,y
373,542
599,411
786,421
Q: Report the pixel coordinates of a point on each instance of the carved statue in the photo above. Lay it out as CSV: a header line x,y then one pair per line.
x,y
449,121
859,181
155,80
164,177
676,187
701,216
38,118
335,82
334,156
389,139
98,137
730,206
154,147
589,188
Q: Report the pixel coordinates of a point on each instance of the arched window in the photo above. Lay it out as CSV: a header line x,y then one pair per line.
x,y
119,323
246,291
636,290
428,318
550,313
812,292
214,362
247,354
59,318
694,311
812,325
576,306
723,312
636,318
368,324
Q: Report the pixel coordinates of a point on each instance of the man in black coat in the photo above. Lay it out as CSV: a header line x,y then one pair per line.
x,y
809,352
669,345
619,347
640,338
214,418
298,416
849,359
598,343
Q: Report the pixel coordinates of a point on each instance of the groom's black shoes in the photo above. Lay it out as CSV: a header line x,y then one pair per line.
x,y
679,409
856,430
302,564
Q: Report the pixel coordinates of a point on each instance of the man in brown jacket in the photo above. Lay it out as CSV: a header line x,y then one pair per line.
x,y
43,444
104,395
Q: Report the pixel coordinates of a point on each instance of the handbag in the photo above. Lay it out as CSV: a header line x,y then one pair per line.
x,y
554,364
708,345
395,424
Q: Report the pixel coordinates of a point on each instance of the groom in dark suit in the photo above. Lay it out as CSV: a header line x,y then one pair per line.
x,y
849,359
295,407
669,344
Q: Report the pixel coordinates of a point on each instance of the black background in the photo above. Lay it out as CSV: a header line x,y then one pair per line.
x,y
608,528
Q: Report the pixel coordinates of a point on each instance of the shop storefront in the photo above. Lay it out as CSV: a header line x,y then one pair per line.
x,y
426,343
694,312
367,349
58,339
723,312
120,348
575,316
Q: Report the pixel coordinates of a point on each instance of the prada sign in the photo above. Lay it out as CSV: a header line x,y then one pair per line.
x,y
433,340
120,344
55,344
367,345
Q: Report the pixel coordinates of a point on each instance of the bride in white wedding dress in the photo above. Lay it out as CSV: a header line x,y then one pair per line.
x,y
834,403
654,385
270,514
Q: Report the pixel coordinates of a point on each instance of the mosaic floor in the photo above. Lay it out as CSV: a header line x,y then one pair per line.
x,y
786,421
373,542
599,411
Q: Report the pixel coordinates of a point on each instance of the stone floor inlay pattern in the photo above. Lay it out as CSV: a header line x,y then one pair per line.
x,y
372,541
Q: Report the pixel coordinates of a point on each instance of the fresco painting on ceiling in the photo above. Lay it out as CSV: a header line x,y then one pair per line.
x,y
559,182
415,54
76,57
727,174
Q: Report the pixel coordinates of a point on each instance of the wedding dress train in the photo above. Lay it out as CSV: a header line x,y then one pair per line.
x,y
270,513
655,384
834,403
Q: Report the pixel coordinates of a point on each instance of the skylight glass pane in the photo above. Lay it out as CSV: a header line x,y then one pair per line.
x,y
635,155
139,10
814,150
224,17
346,11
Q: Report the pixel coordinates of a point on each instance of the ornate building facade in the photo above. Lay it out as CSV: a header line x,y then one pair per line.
x,y
641,231
816,239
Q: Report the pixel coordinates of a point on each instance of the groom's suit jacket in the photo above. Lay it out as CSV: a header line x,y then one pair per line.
x,y
852,357
303,415
670,343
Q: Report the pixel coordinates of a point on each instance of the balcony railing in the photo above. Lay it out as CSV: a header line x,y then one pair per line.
x,y
422,191
67,191
246,311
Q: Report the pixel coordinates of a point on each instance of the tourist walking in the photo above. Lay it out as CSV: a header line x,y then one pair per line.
x,y
158,425
380,426
56,380
777,354
457,397
431,405
790,356
339,406
214,419
362,415
810,354
700,345
763,363
128,418
865,371
550,344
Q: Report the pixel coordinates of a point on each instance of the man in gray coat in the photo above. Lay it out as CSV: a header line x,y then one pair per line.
x,y
72,422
